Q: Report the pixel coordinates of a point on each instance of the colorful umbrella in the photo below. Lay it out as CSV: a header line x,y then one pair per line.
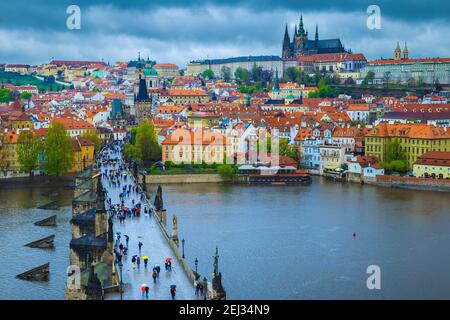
x,y
168,259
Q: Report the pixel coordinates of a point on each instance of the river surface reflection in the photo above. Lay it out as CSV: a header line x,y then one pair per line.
x,y
275,242
296,242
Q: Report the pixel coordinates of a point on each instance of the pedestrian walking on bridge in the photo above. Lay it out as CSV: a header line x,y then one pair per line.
x,y
140,246
145,258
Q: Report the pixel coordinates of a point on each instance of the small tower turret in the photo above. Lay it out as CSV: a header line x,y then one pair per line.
x,y
406,52
398,52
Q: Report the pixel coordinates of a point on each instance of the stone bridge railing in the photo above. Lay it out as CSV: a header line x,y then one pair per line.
x,y
161,217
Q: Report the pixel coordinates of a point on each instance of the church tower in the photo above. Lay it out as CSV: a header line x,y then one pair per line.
x,y
286,53
300,39
316,38
398,52
406,52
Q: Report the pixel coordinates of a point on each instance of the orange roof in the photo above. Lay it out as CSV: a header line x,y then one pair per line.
x,y
338,116
10,137
165,66
72,124
187,93
358,107
415,131
170,109
303,134
437,158
345,132
332,57
422,60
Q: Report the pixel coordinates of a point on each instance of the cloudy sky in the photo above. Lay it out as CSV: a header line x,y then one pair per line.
x,y
182,30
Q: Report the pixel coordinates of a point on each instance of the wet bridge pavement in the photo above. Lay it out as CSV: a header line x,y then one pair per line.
x,y
145,229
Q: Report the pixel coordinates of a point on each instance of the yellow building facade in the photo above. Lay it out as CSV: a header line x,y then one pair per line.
x,y
83,154
189,147
433,164
414,139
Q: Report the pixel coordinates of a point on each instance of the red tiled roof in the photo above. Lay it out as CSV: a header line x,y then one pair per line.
x,y
421,60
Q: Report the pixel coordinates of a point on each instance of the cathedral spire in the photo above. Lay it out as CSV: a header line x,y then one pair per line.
x,y
301,30
286,44
317,33
286,34
276,87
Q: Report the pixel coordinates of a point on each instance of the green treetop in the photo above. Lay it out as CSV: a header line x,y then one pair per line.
x,y
58,150
28,145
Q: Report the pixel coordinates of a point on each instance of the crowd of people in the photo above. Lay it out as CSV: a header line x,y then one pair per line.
x,y
116,175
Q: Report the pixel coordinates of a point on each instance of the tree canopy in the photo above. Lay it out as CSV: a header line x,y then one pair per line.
x,y
146,148
242,75
208,74
58,150
28,146
5,95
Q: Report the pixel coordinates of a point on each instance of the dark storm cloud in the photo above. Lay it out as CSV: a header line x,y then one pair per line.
x,y
177,31
47,13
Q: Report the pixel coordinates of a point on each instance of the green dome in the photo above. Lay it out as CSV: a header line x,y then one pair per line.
x,y
150,72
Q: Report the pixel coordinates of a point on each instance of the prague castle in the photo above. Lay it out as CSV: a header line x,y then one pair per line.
x,y
302,46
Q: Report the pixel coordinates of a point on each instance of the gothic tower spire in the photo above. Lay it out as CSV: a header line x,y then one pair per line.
x,y
301,30
286,44
276,86
317,33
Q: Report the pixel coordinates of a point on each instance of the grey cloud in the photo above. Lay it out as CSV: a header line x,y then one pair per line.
x,y
179,31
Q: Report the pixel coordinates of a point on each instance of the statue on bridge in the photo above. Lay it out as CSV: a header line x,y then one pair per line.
x,y
175,230
218,290
159,200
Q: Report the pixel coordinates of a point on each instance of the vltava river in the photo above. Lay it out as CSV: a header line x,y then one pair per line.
x,y
275,242
284,242
17,214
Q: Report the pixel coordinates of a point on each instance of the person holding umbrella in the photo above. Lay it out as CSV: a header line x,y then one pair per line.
x,y
144,290
173,291
157,268
168,264
145,259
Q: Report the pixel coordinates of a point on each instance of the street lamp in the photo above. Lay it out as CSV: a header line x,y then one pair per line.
x,y
196,264
182,244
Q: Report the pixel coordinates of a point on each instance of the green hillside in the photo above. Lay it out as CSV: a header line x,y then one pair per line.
x,y
17,79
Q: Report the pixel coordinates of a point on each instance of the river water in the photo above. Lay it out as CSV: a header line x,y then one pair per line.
x,y
289,242
17,214
275,242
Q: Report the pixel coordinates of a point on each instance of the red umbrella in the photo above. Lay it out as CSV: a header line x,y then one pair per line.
x,y
168,259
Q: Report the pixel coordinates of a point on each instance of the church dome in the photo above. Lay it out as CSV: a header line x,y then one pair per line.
x,y
150,72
